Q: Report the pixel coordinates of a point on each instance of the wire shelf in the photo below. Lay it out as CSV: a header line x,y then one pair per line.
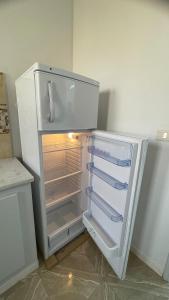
x,y
62,164
61,146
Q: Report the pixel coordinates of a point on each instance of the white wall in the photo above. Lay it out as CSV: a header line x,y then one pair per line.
x,y
30,31
151,234
124,44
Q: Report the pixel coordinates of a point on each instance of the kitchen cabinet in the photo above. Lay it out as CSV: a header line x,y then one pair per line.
x,y
18,255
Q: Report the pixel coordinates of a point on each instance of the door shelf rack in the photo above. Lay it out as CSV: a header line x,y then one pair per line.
x,y
104,242
107,156
111,213
107,178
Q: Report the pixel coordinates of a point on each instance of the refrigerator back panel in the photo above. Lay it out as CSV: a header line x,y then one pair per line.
x,y
65,103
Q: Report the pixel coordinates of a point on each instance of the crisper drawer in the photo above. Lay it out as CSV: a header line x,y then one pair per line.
x,y
76,228
58,239
61,237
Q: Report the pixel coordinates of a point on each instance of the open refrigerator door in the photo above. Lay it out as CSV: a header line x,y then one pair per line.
x,y
115,173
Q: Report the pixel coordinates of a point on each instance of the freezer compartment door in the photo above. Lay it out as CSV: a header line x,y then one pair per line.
x,y
115,172
64,103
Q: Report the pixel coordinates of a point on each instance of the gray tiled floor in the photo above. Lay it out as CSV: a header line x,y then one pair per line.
x,y
85,274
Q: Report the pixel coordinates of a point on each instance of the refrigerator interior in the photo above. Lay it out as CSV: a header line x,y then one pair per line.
x,y
88,182
64,177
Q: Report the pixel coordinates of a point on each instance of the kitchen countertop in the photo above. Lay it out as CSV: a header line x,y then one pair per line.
x,y
13,173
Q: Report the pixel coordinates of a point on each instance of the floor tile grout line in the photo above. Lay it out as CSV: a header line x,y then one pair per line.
x,y
75,270
106,291
76,277
36,288
117,285
31,276
148,283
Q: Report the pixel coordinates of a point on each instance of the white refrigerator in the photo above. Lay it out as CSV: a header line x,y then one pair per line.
x,y
84,178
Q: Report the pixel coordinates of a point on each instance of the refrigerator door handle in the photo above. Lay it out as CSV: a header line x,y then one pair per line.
x,y
51,102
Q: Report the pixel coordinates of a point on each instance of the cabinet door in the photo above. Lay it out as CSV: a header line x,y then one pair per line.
x,y
12,256
115,170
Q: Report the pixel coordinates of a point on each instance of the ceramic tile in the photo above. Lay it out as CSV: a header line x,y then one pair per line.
x,y
40,292
78,274
150,289
138,271
106,270
82,263
139,278
24,289
114,292
57,286
88,248
85,274
86,259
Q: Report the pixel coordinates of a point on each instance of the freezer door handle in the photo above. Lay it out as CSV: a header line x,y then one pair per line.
x,y
51,102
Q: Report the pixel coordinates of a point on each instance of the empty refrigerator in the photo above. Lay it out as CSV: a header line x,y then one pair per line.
x,y
83,178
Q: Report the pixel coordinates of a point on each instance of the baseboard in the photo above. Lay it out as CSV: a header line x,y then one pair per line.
x,y
21,275
147,261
